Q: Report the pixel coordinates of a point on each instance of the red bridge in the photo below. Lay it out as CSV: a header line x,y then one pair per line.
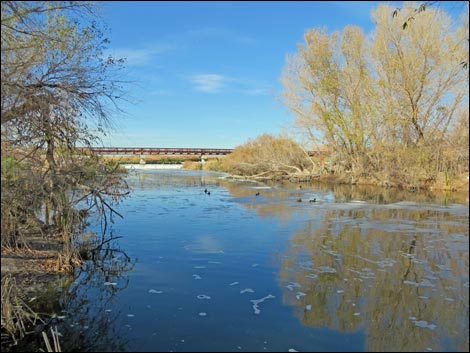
x,y
163,151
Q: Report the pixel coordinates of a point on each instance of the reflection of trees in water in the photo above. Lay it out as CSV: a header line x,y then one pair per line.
x,y
386,269
278,200
268,204
171,179
90,324
83,317
376,194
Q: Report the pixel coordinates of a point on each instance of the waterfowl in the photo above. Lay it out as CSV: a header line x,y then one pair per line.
x,y
314,200
257,194
299,200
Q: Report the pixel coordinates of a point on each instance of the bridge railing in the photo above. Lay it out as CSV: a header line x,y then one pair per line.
x,y
161,151
176,151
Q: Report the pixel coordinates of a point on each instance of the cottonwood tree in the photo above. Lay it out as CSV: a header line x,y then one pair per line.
x,y
419,76
328,86
400,91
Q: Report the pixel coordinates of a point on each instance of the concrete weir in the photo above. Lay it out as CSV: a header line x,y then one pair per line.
x,y
152,166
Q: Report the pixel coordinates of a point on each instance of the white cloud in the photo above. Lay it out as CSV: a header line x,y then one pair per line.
x,y
142,56
209,83
216,83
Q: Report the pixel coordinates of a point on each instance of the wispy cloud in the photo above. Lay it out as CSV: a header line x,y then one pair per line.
x,y
141,56
217,33
216,83
209,83
257,92
144,54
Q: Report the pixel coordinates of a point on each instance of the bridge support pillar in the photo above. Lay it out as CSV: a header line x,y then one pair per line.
x,y
142,159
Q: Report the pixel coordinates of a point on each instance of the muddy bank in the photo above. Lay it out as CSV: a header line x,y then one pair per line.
x,y
32,268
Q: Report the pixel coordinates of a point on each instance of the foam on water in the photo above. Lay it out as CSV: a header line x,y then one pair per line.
x,y
258,301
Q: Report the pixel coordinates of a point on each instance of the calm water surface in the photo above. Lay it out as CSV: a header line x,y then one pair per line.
x,y
358,270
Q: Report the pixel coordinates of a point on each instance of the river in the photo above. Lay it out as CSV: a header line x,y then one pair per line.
x,y
359,269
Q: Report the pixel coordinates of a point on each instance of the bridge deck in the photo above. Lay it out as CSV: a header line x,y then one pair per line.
x,y
162,151
176,151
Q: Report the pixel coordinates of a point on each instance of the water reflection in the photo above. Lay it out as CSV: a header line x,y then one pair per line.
x,y
173,178
400,274
359,269
86,321
365,260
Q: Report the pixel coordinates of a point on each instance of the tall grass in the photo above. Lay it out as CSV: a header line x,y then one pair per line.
x,y
16,314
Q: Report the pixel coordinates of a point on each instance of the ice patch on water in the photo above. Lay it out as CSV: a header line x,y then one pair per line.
x,y
197,276
202,314
255,265
381,263
312,276
424,324
423,283
234,283
153,291
308,307
326,269
300,295
257,301
110,283
200,267
247,290
331,252
339,291
203,296
292,285
130,315
292,350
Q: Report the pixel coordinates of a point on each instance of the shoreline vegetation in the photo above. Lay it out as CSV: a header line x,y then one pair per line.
x,y
52,55
389,110
278,158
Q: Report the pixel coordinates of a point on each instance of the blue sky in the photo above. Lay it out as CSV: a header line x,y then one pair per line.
x,y
207,74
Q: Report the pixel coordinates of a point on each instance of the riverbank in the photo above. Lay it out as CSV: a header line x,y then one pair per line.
x,y
441,183
27,274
